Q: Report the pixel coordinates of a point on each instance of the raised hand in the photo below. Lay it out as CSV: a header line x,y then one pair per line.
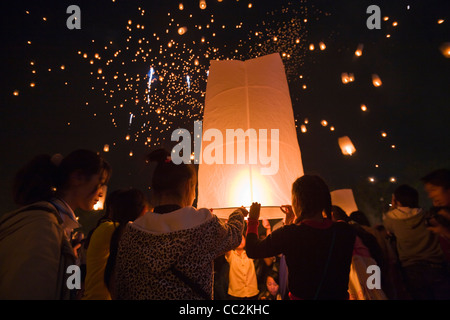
x,y
290,216
244,211
254,211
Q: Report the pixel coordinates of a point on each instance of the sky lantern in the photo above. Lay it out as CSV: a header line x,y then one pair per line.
x,y
303,128
344,199
445,49
376,80
248,128
202,4
182,30
347,77
359,50
346,146
106,148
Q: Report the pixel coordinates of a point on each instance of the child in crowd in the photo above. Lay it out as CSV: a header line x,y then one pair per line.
x,y
272,291
243,284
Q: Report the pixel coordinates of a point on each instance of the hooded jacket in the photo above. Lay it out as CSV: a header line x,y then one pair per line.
x,y
187,239
34,254
415,243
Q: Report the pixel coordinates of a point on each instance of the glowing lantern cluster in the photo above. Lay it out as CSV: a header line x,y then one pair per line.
x,y
347,77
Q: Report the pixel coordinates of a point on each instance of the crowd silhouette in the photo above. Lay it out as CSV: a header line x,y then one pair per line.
x,y
163,248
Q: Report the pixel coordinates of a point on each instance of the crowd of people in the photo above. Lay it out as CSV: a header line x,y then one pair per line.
x,y
164,248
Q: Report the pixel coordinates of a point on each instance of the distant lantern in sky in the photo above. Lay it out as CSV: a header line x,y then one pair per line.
x,y
127,137
181,6
440,21
383,134
182,30
376,80
445,49
344,77
16,92
311,47
322,46
351,77
202,4
346,146
324,123
359,50
106,148
363,107
303,128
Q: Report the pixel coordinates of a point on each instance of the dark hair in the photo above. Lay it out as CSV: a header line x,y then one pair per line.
x,y
123,206
169,178
407,196
41,178
274,275
440,178
360,218
339,214
313,196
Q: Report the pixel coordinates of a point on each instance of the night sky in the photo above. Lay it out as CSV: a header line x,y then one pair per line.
x,y
71,106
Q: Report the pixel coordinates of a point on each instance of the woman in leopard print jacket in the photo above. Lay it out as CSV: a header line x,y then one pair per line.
x,y
168,254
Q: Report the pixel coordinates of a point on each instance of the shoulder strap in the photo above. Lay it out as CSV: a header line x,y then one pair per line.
x,y
193,285
327,263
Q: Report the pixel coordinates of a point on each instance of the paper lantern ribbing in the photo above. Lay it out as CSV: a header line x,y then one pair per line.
x,y
251,96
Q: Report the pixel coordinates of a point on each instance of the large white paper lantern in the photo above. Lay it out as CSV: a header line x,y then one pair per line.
x,y
344,199
253,96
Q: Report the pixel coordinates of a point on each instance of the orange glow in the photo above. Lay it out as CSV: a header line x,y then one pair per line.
x,y
376,80
346,146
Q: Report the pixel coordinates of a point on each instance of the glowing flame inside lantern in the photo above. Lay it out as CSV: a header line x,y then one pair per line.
x,y
202,4
376,80
346,146
445,49
249,186
359,50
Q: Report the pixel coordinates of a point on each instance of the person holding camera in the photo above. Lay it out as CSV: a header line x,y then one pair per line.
x,y
421,258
